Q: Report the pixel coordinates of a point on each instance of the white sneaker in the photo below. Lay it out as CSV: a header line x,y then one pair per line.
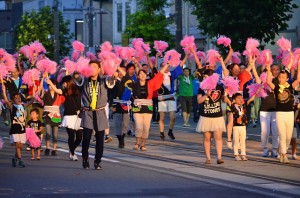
x,y
75,157
294,157
229,145
266,153
71,156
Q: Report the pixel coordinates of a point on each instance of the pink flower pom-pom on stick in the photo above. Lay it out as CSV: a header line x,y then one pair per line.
x,y
37,47
153,60
109,62
284,44
296,55
1,143
160,46
251,47
32,138
212,57
173,57
223,40
78,46
26,51
83,67
62,61
231,84
106,46
70,66
201,55
263,78
235,58
127,53
210,82
3,72
75,55
286,58
91,56
253,89
266,57
188,44
9,62
46,65
30,76
136,40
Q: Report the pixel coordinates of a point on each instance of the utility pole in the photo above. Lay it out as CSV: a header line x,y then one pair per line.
x,y
178,14
101,32
56,43
91,31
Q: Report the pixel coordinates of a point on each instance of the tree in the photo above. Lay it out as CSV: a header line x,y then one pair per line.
x,y
149,22
38,26
240,20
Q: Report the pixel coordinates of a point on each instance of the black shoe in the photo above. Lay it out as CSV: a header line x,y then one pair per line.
x,y
14,162
53,153
120,140
171,135
86,164
97,166
123,141
47,152
129,132
107,139
162,136
21,163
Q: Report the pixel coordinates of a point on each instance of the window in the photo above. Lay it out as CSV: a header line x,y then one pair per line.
x,y
119,17
79,30
6,40
127,9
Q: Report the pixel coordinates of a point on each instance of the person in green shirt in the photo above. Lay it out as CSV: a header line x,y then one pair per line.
x,y
186,94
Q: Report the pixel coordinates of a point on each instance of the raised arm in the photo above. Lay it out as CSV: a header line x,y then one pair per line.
x,y
9,104
149,60
254,96
198,62
228,55
296,82
56,90
184,60
269,77
19,66
156,60
254,71
224,68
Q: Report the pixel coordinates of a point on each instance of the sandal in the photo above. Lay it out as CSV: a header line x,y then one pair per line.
x,y
32,158
136,147
208,161
143,148
38,158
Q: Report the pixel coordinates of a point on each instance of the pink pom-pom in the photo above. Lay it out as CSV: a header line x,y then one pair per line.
x,y
153,60
38,99
3,72
173,57
210,82
16,56
91,56
83,67
280,54
141,48
284,44
136,40
32,138
251,44
1,143
201,55
9,62
78,46
235,58
46,65
62,61
263,78
2,52
30,76
70,66
75,55
296,55
286,58
106,46
231,84
266,57
109,62
223,40
253,89
253,52
188,44
212,57
127,53
37,47
160,46
26,51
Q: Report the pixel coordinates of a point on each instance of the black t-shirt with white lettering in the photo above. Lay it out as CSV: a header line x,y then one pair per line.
x,y
211,107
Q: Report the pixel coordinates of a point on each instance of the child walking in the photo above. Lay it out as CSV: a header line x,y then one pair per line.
x,y
18,122
239,108
37,126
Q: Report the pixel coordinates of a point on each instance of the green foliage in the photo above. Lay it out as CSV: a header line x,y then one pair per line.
x,y
149,22
37,26
240,20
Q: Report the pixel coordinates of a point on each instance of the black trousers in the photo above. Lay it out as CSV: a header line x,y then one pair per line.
x,y
71,136
155,113
87,134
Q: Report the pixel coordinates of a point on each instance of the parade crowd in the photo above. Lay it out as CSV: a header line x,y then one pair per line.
x,y
83,91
